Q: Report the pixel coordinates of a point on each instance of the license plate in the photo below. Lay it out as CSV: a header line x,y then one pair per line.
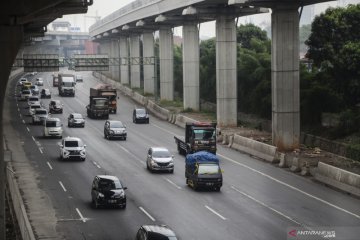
x,y
112,201
209,184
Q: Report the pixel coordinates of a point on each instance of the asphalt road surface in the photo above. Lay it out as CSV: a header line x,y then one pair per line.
x,y
257,200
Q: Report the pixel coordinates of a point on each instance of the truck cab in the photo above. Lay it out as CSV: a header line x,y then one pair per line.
x,y
202,170
98,108
66,84
199,136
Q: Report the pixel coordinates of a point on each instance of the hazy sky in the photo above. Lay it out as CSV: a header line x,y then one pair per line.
x,y
103,8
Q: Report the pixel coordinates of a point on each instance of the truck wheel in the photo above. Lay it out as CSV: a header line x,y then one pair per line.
x,y
187,181
115,111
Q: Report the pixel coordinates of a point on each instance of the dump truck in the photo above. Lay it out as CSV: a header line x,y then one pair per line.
x,y
66,84
98,107
199,136
202,170
108,91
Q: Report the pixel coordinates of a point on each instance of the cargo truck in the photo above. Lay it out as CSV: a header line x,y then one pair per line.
x,y
98,108
66,84
108,91
199,136
202,170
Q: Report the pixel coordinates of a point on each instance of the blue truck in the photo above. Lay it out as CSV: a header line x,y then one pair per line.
x,y
202,170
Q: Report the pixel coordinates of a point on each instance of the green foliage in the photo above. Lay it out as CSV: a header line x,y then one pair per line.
x,y
246,33
168,103
178,71
353,152
208,70
334,46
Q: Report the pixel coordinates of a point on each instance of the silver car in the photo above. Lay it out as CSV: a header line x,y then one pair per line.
x,y
39,116
160,159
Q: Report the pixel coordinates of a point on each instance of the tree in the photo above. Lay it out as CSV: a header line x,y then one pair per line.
x,y
247,32
334,47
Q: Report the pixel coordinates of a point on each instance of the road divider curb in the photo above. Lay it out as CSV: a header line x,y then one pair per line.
x,y
338,178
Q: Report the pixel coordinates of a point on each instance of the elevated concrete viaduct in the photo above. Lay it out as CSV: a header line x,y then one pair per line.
x,y
142,16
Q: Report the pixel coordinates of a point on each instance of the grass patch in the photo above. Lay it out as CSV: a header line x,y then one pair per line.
x,y
168,103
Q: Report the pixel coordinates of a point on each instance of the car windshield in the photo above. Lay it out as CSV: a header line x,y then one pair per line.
x,y
161,154
140,111
41,112
116,125
204,134
208,169
73,143
33,99
35,106
26,92
106,184
77,116
33,87
53,124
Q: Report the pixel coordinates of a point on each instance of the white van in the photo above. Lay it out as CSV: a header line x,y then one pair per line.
x,y
53,128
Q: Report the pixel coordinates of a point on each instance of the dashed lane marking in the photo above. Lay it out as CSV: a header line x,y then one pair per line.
x,y
51,168
62,185
214,212
147,214
172,183
81,216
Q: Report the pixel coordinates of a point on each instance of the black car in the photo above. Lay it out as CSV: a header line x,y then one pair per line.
x,y
155,232
45,93
76,120
140,115
114,129
55,106
108,191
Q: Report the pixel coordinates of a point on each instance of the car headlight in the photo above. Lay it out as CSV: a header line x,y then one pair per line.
x,y
153,162
82,152
66,152
121,194
100,195
111,132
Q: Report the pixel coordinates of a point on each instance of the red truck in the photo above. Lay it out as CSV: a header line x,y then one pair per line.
x,y
108,91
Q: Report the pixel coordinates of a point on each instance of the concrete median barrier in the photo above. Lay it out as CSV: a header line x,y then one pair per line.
x,y
338,178
254,148
181,120
158,111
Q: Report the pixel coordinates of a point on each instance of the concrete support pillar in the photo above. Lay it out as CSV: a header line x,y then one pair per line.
x,y
135,57
111,55
10,42
124,55
116,54
191,75
149,70
226,72
166,51
285,79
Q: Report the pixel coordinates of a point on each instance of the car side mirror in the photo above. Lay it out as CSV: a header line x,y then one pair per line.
x,y
93,188
84,145
118,97
172,156
61,124
61,145
125,188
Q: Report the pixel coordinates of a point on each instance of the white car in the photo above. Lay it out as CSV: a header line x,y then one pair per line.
x,y
25,94
39,116
72,147
33,100
39,82
53,128
21,81
33,107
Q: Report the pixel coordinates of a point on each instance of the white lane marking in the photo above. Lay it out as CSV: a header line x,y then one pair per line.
x,y
291,187
23,121
49,165
62,185
27,129
265,205
96,164
20,115
41,151
81,216
33,138
172,183
19,109
214,212
147,214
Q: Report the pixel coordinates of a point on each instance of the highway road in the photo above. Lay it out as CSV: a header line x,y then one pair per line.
x,y
257,200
